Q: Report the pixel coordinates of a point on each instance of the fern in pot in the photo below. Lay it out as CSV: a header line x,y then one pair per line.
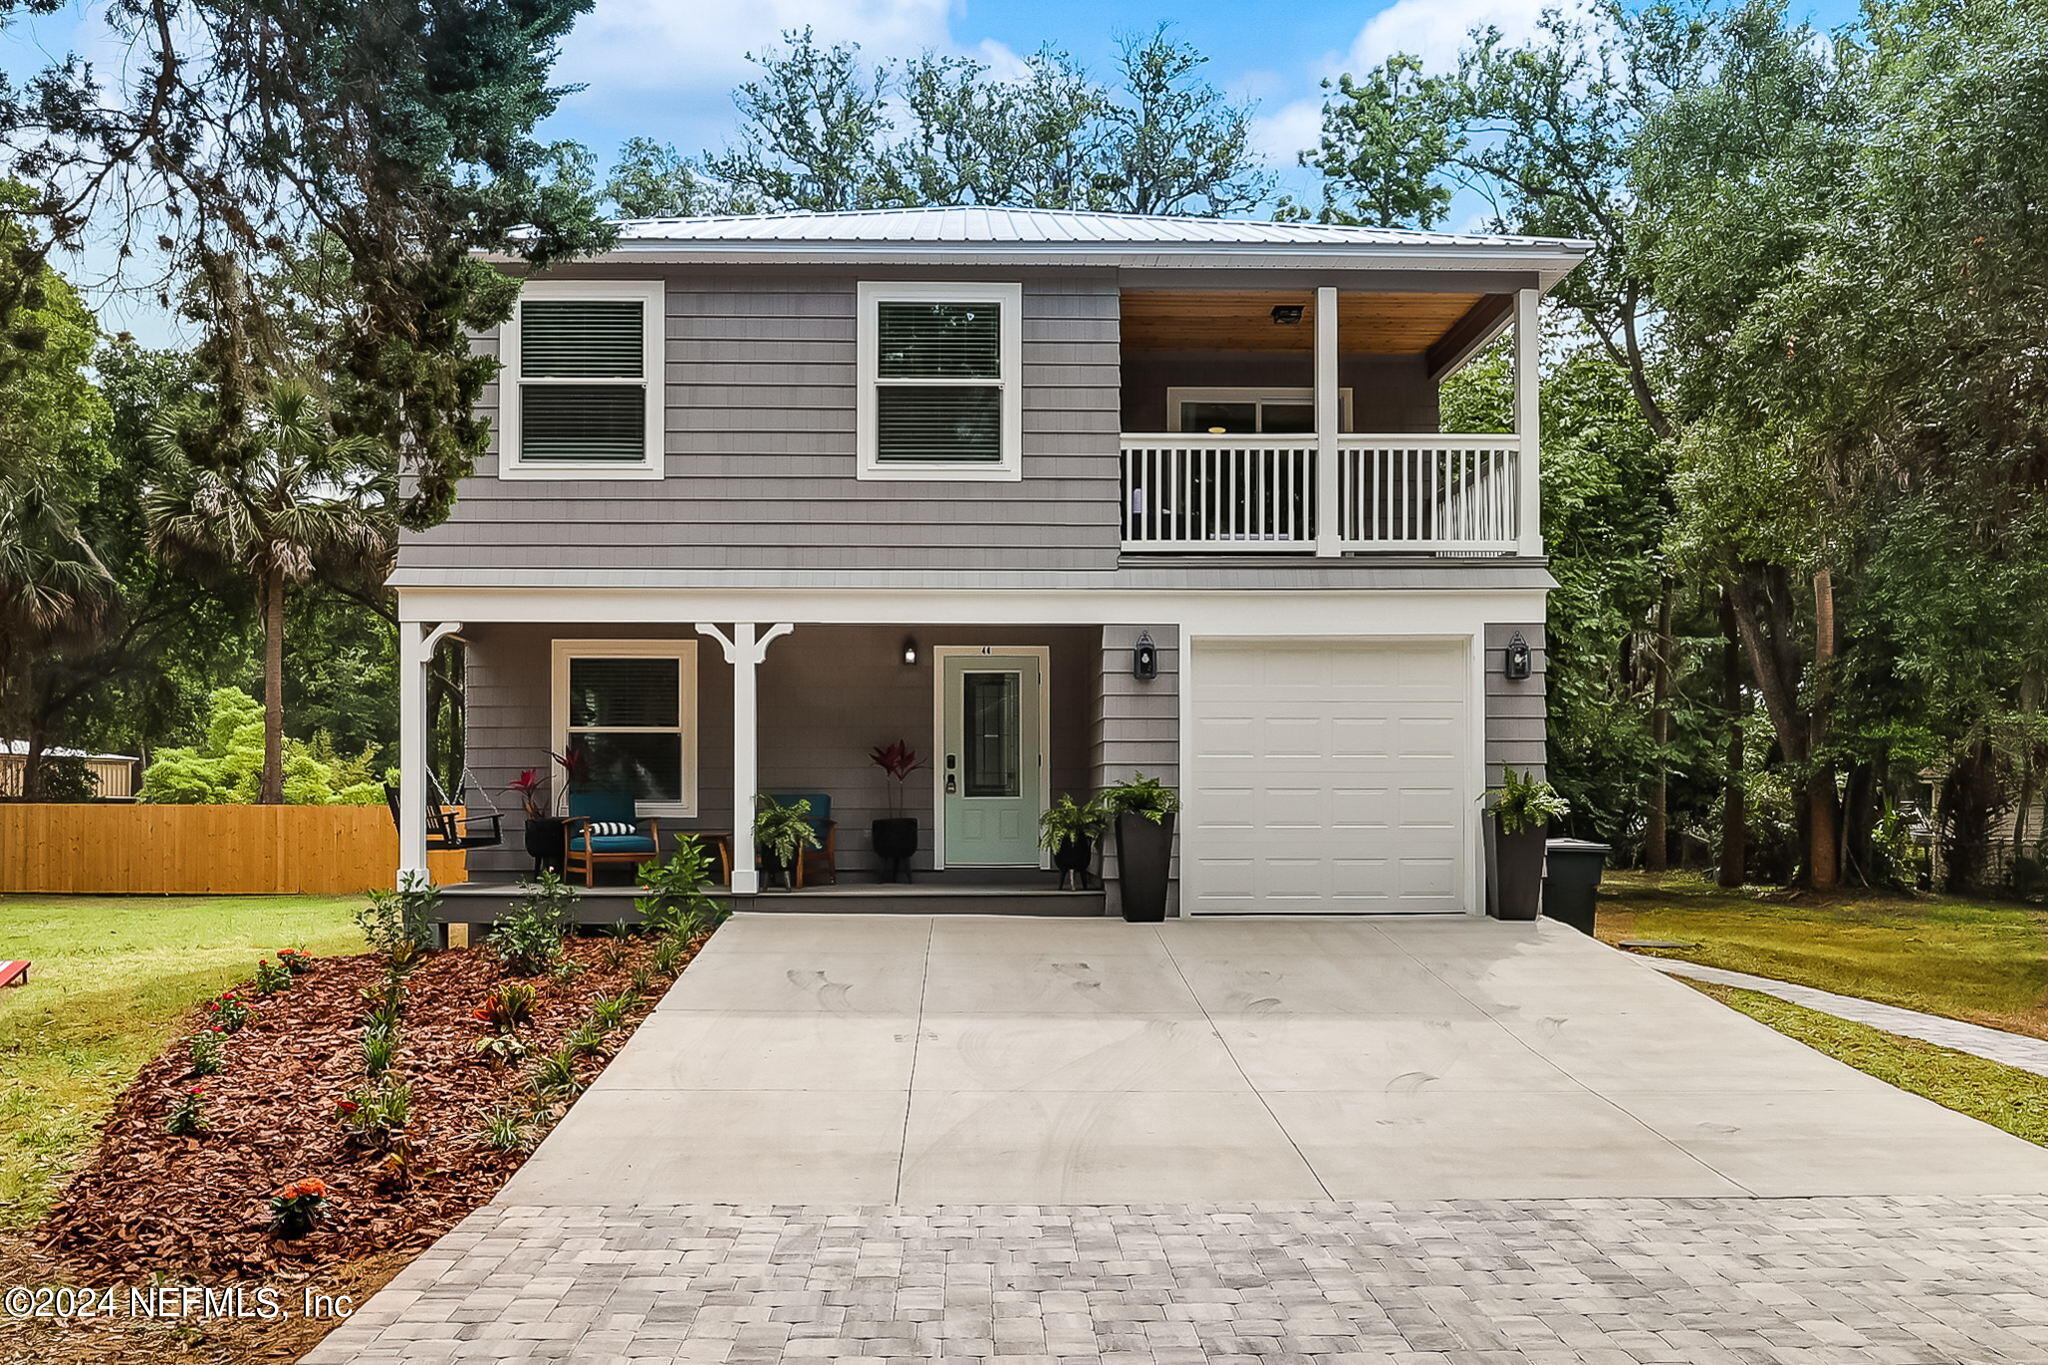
x,y
782,833
1141,811
1068,830
1522,807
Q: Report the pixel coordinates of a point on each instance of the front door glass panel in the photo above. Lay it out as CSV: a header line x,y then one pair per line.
x,y
993,709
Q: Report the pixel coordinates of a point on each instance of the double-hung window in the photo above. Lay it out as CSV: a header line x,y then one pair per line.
x,y
580,392
625,711
941,391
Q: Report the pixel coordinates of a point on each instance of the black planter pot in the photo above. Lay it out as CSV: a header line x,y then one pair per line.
x,y
1072,858
1144,852
545,842
895,841
1517,873
775,876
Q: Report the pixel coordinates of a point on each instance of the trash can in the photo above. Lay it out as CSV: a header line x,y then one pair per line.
x,y
1571,876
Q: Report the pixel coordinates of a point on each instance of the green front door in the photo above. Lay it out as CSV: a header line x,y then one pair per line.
x,y
992,769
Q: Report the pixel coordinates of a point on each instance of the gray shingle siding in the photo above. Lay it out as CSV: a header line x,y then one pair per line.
x,y
1137,730
1515,710
759,398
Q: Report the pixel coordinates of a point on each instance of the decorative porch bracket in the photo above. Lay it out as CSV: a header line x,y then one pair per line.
x,y
745,651
416,642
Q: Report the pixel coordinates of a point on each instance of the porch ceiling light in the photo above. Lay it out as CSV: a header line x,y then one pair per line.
x,y
909,651
1287,314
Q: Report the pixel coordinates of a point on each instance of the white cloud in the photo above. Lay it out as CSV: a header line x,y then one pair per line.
x,y
1292,128
1434,31
648,60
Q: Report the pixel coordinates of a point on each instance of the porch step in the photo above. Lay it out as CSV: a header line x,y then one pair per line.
x,y
484,902
938,899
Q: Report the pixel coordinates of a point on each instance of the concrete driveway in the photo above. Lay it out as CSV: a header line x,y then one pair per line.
x,y
888,1060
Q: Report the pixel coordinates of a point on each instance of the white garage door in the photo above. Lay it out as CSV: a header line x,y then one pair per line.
x,y
1329,775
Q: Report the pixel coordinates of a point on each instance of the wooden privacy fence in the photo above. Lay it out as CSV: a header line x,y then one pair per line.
x,y
203,850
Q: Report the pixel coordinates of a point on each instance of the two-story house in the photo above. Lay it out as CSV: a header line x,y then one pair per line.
x,y
1055,497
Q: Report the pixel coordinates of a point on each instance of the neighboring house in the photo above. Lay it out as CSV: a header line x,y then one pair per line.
x,y
113,775
765,492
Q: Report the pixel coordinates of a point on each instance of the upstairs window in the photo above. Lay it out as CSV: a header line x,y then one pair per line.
x,y
580,391
941,395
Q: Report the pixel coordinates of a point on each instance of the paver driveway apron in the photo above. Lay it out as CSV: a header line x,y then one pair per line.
x,y
900,1060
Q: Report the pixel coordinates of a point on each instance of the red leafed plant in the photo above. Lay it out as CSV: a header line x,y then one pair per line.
x,y
531,786
899,761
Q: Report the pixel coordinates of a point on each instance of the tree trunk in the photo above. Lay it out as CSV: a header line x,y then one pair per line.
x,y
32,766
1824,836
1859,822
271,792
1657,827
1735,794
2030,706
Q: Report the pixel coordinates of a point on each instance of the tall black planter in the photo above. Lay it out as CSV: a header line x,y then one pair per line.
x,y
895,841
1144,852
544,838
1517,873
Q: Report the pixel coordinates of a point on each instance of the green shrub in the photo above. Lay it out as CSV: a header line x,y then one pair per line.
x,y
205,1049
1138,795
400,924
610,1011
380,1050
226,767
528,940
554,1076
1522,803
272,977
506,1130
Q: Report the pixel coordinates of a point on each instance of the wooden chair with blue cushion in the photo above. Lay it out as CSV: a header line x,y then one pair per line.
x,y
827,852
603,827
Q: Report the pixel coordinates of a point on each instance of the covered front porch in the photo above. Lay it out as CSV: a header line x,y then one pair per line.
x,y
697,721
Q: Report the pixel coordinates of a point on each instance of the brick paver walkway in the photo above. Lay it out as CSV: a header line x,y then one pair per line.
x,y
1882,1281
2013,1049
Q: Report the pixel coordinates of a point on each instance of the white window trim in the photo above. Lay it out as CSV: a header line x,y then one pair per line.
x,y
1010,337
685,653
1177,395
651,293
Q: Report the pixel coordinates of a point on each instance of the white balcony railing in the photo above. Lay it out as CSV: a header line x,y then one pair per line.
x,y
1219,493
1258,494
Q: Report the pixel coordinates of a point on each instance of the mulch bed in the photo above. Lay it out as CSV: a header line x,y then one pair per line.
x,y
199,1206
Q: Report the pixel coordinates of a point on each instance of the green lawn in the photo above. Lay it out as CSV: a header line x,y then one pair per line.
x,y
2001,1096
112,976
1977,960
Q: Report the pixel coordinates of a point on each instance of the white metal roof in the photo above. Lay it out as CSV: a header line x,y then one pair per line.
x,y
989,225
994,236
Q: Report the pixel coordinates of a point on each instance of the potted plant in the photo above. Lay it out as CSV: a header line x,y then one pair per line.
x,y
895,836
1141,810
1068,830
1522,808
781,834
543,829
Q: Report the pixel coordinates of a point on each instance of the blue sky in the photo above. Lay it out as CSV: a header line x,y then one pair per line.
x,y
665,68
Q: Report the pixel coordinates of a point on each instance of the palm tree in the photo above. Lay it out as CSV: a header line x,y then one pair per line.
x,y
53,590
294,500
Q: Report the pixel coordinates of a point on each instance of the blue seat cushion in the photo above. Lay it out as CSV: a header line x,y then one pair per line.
x,y
615,843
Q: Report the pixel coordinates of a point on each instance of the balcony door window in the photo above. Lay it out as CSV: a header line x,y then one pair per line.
x,y
1249,412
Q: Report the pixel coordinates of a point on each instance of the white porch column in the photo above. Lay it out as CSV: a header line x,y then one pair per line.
x,y
1528,425
1328,530
416,641
744,651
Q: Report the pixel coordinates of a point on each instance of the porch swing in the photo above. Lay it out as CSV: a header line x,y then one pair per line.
x,y
449,828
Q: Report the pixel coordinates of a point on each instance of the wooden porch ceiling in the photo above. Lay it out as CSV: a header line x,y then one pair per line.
x,y
1242,320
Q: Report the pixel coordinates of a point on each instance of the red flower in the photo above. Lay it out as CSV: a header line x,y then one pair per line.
x,y
213,1004
348,1106
195,1090
214,1028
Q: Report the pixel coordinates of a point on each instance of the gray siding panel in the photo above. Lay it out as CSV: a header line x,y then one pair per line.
x,y
759,390
1137,730
1515,710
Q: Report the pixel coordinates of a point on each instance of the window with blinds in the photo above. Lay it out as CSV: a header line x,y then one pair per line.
x,y
939,393
582,382
626,709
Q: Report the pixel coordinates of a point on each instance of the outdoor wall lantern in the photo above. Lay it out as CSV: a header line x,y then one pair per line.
x,y
1516,664
910,651
1145,658
1288,314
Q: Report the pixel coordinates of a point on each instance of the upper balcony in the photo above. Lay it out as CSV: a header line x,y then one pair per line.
x,y
1277,422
